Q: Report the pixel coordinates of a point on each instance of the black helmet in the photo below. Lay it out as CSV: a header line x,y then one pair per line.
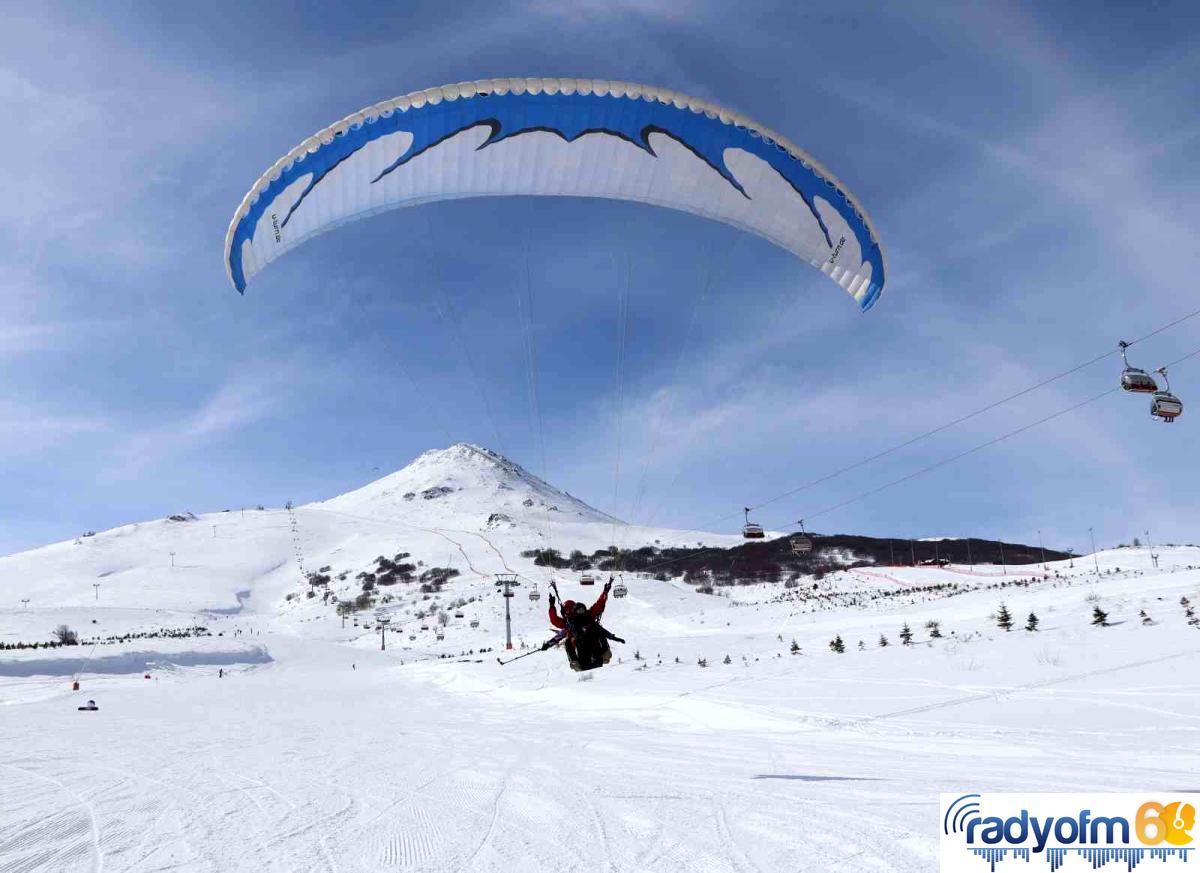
x,y
579,610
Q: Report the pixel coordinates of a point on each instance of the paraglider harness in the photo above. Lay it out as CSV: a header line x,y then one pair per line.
x,y
584,638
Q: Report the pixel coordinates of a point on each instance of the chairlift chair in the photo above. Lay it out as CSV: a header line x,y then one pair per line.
x,y
458,615
1165,405
441,636
750,530
1134,379
474,622
620,589
587,579
802,543
534,594
412,637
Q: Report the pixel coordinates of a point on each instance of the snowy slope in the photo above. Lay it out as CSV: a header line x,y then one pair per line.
x,y
470,508
465,484
319,751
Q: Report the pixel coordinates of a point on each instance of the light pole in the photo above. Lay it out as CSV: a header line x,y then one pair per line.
x,y
25,602
506,582
1095,560
970,557
172,559
892,548
383,623
1042,548
1003,566
1150,546
96,585
912,548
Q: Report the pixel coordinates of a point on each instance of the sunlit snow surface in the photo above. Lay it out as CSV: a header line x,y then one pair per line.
x,y
334,756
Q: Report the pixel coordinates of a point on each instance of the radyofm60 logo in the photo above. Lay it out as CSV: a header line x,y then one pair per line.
x,y
1067,831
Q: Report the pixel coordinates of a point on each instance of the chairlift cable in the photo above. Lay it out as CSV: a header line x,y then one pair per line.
x,y
988,408
841,471
945,461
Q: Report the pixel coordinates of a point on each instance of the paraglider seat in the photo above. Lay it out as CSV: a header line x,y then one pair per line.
x,y
591,659
589,649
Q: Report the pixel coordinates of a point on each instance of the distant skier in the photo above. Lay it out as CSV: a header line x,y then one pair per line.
x,y
221,673
582,635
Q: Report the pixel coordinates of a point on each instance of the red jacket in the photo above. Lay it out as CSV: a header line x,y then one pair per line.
x,y
597,610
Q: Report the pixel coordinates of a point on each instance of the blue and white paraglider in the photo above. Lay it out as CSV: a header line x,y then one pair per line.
x,y
559,137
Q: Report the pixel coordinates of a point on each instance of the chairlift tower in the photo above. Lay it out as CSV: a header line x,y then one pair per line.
x,y
506,582
296,546
25,602
383,621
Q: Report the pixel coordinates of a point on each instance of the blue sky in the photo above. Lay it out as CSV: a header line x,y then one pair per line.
x,y
1032,173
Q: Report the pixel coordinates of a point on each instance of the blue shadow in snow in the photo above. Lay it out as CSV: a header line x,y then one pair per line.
x,y
803,777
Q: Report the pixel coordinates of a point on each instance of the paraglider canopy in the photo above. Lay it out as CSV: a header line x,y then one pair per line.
x,y
559,137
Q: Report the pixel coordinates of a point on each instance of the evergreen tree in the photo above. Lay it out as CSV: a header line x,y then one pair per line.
x,y
883,641
1184,602
1099,617
795,648
861,645
702,662
906,635
935,629
727,660
1004,618
837,645
1031,623
1146,619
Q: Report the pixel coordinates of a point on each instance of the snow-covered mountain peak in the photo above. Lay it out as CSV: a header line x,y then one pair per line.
x,y
474,485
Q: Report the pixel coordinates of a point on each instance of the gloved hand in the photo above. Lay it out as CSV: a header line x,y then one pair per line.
x,y
551,600
608,585
618,639
548,644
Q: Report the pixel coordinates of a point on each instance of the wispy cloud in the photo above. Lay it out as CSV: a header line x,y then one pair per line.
x,y
241,402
